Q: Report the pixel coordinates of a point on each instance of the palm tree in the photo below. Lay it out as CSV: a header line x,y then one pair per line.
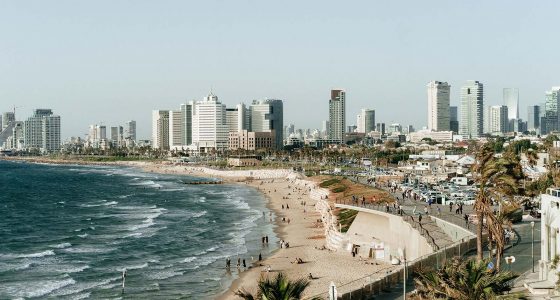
x,y
497,179
277,288
462,280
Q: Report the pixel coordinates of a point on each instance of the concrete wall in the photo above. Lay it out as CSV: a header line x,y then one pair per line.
x,y
392,230
456,233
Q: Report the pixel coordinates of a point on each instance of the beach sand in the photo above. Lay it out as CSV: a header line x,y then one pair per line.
x,y
304,233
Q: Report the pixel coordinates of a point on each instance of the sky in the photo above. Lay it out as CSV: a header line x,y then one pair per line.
x,y
107,62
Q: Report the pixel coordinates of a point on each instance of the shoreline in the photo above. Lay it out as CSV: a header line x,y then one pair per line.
x,y
305,232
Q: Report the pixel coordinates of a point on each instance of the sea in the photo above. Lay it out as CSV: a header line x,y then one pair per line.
x,y
69,232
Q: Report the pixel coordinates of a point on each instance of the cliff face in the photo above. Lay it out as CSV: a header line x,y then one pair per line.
x,y
334,240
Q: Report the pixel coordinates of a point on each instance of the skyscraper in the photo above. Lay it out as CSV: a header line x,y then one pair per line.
x,y
337,115
130,131
472,103
238,118
7,118
511,100
209,128
453,119
268,116
42,131
552,103
438,106
366,121
160,129
498,119
175,129
533,118
186,115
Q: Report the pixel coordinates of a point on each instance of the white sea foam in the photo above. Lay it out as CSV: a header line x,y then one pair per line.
x,y
62,245
165,274
199,214
31,289
88,249
80,287
133,267
30,255
189,259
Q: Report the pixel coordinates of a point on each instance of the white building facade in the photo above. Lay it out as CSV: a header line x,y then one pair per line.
x,y
472,103
438,106
209,128
337,116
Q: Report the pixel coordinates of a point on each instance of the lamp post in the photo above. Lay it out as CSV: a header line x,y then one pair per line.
x,y
533,244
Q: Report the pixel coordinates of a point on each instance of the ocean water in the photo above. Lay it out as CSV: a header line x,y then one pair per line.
x,y
67,232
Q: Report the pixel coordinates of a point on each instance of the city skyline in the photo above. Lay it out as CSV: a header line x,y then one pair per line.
x,y
123,62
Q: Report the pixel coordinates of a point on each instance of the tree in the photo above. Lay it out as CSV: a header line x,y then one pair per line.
x,y
463,280
497,180
277,288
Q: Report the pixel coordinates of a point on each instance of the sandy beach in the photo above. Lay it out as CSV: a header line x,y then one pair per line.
x,y
304,232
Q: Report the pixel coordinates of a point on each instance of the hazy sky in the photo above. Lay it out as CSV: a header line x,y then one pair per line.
x,y
111,61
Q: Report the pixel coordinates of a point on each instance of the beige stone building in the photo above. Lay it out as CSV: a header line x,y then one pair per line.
x,y
248,140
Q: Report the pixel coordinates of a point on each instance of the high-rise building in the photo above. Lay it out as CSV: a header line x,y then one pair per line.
x,y
472,103
380,127
498,119
176,127
551,115
101,132
42,131
7,118
50,134
438,106
160,129
266,116
238,118
130,131
453,119
186,115
337,116
511,100
533,118
114,134
209,128
366,121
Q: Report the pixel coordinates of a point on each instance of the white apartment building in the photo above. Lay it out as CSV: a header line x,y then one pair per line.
x,y
160,129
337,116
472,103
438,106
209,128
42,131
